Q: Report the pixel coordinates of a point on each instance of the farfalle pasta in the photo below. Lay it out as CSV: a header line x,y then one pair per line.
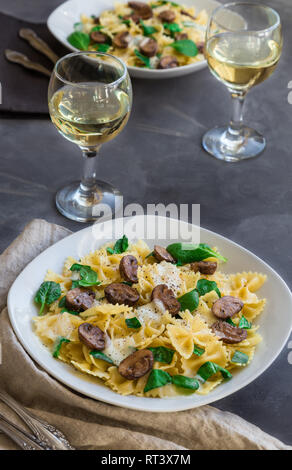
x,y
151,323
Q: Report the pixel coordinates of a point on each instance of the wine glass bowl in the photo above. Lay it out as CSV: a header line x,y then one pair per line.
x,y
243,47
90,98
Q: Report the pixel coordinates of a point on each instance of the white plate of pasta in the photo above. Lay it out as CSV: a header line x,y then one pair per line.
x,y
163,39
151,324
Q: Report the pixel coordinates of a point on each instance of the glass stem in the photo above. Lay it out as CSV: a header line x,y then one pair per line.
x,y
88,187
235,129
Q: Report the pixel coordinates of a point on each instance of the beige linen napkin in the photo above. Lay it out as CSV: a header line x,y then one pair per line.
x,y
91,424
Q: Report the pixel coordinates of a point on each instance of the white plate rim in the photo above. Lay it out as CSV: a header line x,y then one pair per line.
x,y
179,403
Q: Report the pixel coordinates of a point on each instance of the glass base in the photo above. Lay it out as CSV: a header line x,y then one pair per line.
x,y
217,142
76,205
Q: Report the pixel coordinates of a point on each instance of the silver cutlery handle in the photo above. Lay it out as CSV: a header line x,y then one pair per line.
x,y
37,43
20,437
45,433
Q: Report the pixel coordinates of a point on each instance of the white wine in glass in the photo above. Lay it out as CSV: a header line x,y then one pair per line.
x,y
90,99
243,48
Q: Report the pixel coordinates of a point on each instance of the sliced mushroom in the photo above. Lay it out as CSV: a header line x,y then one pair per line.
x,y
162,296
226,307
167,16
99,37
204,267
92,336
168,62
143,10
79,299
228,333
121,40
148,47
129,268
133,17
183,12
121,294
200,46
181,36
137,364
161,254
96,20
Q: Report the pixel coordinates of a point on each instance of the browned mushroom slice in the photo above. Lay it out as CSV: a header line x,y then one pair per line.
x,y
180,36
121,294
129,268
161,254
201,47
168,62
143,10
226,307
92,336
183,12
204,267
148,47
167,16
121,40
137,364
133,17
228,333
96,20
79,299
162,295
99,37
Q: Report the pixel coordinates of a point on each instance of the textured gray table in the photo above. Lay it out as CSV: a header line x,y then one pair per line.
x,y
158,158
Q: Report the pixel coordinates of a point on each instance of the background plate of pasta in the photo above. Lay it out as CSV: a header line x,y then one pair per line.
x,y
151,324
156,39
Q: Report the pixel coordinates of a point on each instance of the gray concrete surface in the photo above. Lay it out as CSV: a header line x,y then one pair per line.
x,y
158,158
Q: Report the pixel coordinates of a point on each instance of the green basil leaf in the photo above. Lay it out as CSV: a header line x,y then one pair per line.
x,y
88,277
172,28
198,351
147,30
162,354
210,368
228,320
150,254
62,302
100,355
157,378
121,246
48,292
101,47
185,382
79,40
110,251
204,286
98,27
127,283
77,267
58,344
186,47
127,22
186,253
75,284
69,311
143,58
244,323
133,323
239,358
189,301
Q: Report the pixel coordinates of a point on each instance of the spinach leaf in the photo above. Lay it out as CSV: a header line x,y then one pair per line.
x,y
204,286
88,277
228,320
100,355
147,30
127,22
133,323
48,292
186,47
58,344
210,368
172,28
157,378
62,302
162,354
150,254
98,27
72,312
185,382
101,47
198,351
244,323
189,301
79,40
143,58
188,252
239,358
127,283
120,246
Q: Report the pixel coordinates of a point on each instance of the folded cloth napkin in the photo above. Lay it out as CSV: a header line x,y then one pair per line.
x,y
91,424
23,90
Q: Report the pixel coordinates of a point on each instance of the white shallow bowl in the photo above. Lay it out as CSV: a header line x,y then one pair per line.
x,y
275,322
62,19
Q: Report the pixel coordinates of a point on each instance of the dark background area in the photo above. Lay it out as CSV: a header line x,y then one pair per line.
x,y
158,158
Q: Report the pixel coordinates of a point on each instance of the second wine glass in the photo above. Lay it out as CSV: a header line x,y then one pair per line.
x,y
90,99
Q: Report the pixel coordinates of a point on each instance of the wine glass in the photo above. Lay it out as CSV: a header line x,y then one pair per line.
x,y
90,99
243,47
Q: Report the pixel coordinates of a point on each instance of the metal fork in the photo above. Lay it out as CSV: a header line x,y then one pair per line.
x,y
22,438
47,435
